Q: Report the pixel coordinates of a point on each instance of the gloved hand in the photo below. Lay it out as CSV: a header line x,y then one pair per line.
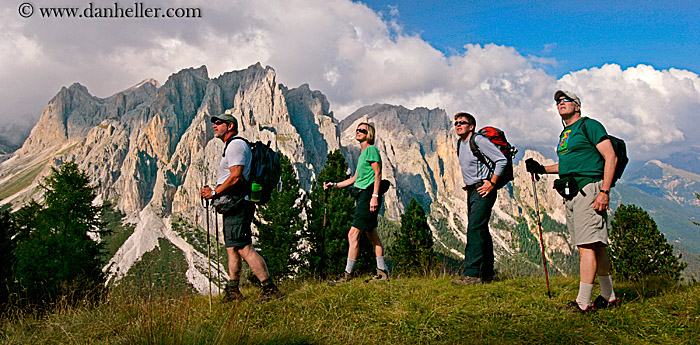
x,y
534,168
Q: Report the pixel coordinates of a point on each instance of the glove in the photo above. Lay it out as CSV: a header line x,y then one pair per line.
x,y
534,168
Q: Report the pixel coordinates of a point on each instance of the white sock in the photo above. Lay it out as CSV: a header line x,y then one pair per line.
x,y
606,288
584,295
349,265
380,263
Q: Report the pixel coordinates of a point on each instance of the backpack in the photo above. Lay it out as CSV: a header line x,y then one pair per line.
x,y
498,138
265,167
620,149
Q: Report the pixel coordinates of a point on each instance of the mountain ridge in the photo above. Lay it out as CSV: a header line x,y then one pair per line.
x,y
151,147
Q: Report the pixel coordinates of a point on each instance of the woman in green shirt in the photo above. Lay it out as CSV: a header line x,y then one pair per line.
x,y
367,179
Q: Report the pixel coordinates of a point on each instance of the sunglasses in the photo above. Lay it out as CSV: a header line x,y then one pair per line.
x,y
219,123
361,130
457,123
567,100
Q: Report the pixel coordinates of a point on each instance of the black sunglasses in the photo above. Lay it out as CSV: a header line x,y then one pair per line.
x,y
219,123
564,100
361,130
457,123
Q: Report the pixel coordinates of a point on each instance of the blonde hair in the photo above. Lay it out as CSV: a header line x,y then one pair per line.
x,y
370,132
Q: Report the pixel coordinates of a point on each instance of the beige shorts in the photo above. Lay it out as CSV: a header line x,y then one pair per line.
x,y
585,224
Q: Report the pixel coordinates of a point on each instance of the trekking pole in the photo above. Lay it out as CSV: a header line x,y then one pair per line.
x,y
325,213
539,224
205,203
218,244
325,208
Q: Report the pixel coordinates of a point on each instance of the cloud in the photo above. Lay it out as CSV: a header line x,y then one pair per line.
x,y
655,111
353,55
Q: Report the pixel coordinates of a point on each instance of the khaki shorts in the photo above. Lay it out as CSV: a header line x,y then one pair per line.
x,y
237,232
585,224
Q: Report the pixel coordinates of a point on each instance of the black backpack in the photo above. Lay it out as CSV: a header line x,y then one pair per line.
x,y
620,149
498,138
265,168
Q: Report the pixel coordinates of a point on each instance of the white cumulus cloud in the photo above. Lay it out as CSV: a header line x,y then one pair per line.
x,y
353,55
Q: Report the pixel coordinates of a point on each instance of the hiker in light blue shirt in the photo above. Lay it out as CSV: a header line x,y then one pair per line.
x,y
480,185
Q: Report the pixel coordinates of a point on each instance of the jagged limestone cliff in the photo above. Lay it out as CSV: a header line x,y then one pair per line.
x,y
151,148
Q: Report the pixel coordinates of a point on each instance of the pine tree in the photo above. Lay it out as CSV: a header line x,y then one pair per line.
x,y
279,224
413,249
638,249
7,259
54,255
328,247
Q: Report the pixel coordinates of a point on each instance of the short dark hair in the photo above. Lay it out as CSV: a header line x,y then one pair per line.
x,y
468,116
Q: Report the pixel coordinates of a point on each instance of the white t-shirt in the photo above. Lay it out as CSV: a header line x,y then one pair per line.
x,y
237,153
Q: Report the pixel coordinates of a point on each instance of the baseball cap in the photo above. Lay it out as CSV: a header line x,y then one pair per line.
x,y
224,117
568,94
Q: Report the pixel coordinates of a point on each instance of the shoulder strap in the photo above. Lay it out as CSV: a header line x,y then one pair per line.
x,y
230,140
585,132
477,152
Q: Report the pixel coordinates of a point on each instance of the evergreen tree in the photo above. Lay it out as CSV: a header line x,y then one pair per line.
x,y
328,247
638,249
55,257
279,224
413,249
7,259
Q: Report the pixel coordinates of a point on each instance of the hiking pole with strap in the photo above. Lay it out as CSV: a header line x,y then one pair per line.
x,y
539,224
205,203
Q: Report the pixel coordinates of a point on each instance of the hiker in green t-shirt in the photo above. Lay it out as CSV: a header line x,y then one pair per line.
x,y
586,166
367,180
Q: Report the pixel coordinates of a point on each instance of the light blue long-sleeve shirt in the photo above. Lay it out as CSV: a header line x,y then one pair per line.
x,y
473,170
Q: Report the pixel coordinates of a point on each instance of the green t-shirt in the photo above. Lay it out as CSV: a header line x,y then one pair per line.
x,y
365,173
578,155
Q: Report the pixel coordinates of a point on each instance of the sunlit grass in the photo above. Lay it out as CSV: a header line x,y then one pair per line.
x,y
424,310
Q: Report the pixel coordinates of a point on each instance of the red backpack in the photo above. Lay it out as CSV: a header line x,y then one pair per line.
x,y
498,138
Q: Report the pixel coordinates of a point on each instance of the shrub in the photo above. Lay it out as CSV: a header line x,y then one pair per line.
x,y
638,249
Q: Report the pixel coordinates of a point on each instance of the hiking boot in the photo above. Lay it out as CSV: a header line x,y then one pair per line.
x,y
467,281
346,277
231,294
382,276
602,303
573,306
491,279
270,292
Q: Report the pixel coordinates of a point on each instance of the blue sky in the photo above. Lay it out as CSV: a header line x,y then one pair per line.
x,y
635,65
575,34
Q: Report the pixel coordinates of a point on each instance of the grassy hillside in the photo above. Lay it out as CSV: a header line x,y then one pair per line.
x,y
403,311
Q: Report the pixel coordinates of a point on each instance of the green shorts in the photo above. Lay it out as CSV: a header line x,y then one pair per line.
x,y
364,219
237,232
585,224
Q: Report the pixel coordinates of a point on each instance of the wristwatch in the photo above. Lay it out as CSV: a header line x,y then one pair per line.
x,y
605,191
213,192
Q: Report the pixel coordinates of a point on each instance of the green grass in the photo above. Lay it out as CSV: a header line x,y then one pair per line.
x,y
404,311
119,232
22,180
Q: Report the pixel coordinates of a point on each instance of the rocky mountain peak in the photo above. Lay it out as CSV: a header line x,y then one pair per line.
x,y
152,148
